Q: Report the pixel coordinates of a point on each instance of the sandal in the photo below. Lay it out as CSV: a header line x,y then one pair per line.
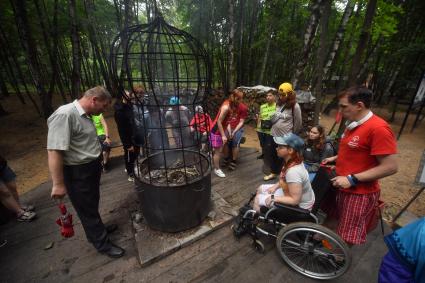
x,y
226,162
232,165
27,207
26,216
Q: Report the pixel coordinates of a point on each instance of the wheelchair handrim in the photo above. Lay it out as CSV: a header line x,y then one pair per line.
x,y
294,253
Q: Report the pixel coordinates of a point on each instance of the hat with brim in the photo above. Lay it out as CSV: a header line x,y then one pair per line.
x,y
291,140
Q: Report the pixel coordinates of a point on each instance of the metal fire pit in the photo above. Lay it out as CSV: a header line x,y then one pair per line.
x,y
172,206
164,73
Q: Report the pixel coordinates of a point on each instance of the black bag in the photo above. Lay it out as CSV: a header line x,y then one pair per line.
x,y
266,124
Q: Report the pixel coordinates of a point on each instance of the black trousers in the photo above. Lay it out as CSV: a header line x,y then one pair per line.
x,y
270,155
130,158
82,183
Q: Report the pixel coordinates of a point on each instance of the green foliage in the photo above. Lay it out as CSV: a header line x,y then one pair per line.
x,y
386,19
398,25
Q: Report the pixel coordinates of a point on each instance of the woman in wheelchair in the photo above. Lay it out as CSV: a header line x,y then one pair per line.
x,y
307,247
294,187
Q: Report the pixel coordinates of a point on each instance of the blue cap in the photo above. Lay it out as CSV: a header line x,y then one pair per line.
x,y
174,100
291,140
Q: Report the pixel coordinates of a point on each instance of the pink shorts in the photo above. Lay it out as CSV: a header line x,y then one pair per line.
x,y
216,141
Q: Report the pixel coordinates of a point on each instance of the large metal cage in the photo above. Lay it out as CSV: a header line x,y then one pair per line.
x,y
165,74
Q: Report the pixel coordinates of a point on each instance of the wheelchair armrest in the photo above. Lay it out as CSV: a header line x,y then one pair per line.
x,y
292,207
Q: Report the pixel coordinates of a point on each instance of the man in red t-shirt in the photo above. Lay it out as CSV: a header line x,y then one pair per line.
x,y
366,154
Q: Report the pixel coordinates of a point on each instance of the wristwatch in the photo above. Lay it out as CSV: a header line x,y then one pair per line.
x,y
355,180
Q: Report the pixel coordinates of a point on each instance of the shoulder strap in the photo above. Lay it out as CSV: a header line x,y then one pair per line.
x,y
293,119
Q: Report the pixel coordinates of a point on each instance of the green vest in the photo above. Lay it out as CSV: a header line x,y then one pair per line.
x,y
266,112
98,124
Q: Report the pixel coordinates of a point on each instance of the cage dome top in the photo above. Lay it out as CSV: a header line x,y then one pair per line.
x,y
162,62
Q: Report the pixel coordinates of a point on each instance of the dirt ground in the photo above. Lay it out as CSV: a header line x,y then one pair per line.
x,y
23,144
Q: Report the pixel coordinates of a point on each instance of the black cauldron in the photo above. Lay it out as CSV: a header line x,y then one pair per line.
x,y
171,206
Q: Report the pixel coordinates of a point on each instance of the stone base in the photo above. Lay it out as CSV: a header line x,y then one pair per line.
x,y
153,245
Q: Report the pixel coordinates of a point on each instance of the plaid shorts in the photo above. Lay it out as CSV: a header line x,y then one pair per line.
x,y
352,211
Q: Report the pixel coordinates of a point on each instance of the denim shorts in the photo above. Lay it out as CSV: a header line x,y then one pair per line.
x,y
7,175
236,141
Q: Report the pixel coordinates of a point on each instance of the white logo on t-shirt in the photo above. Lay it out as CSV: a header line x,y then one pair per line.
x,y
354,142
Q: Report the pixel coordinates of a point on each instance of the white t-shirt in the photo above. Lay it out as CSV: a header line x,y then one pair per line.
x,y
298,174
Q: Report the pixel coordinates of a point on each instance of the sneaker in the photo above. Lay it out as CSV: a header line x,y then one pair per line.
x,y
271,176
26,216
219,173
27,207
130,179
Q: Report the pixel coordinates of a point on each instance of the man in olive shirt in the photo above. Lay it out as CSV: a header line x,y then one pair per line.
x,y
74,163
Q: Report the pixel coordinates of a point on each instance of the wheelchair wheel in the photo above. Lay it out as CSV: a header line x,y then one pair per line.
x,y
240,226
259,246
313,250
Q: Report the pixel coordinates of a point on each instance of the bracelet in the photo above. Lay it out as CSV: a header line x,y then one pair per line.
x,y
351,180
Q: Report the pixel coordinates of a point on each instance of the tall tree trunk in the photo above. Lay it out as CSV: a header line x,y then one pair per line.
x,y
308,40
30,46
55,47
98,54
321,56
362,43
369,59
3,88
241,25
339,35
256,10
9,71
76,60
265,59
3,112
118,13
231,47
361,47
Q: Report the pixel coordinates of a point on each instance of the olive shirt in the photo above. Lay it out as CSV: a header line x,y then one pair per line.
x,y
72,131
266,111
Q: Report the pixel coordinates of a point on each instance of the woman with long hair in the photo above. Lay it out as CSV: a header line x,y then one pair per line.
x,y
229,123
286,119
317,148
294,187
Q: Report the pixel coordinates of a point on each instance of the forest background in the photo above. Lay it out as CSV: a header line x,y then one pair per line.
x,y
52,50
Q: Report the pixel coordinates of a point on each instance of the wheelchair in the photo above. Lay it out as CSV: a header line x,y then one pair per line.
x,y
307,247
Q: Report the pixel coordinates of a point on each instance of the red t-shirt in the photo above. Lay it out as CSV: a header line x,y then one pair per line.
x,y
201,122
233,117
358,149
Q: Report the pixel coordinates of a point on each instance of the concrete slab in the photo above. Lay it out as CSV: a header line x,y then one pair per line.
x,y
154,245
